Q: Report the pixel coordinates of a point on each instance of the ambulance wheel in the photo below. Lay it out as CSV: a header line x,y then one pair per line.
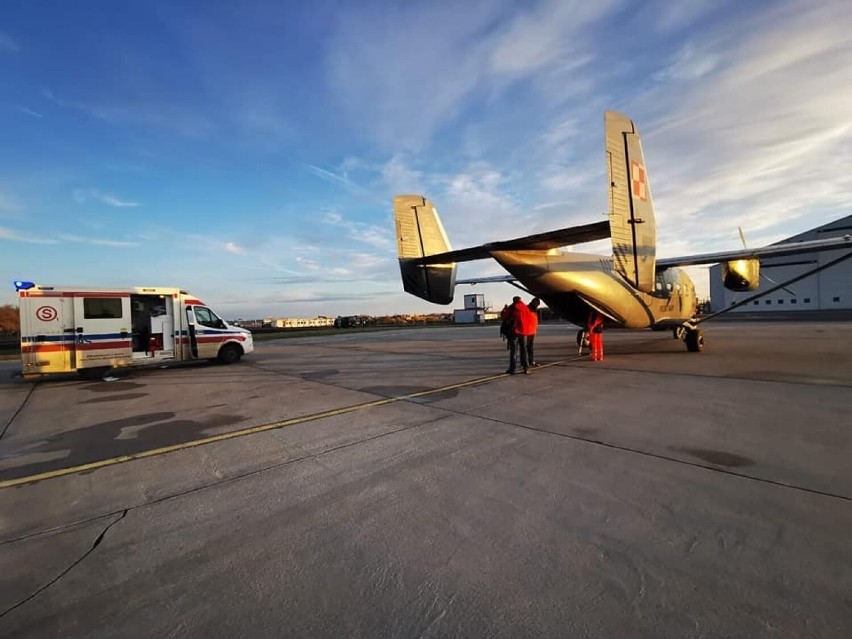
x,y
582,338
679,332
694,341
230,354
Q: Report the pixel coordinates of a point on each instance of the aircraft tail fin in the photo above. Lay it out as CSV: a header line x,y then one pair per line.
x,y
631,213
419,234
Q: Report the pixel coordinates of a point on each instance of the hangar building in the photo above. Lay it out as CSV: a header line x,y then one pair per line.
x,y
828,290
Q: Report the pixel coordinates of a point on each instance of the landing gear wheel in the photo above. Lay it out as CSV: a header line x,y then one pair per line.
x,y
230,354
582,338
679,332
694,340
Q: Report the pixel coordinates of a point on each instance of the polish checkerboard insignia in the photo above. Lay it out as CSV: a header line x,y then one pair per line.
x,y
639,181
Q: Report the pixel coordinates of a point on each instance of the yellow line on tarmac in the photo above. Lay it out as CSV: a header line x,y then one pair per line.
x,y
61,472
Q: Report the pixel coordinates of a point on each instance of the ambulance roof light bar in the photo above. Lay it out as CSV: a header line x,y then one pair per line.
x,y
23,286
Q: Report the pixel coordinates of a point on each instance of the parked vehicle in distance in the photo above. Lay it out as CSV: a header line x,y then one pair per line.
x,y
91,330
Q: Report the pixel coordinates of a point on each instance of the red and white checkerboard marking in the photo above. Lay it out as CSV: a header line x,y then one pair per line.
x,y
639,180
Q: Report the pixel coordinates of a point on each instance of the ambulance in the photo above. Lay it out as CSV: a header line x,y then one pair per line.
x,y
91,330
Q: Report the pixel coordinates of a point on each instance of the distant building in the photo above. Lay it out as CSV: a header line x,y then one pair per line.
x,y
828,290
302,322
476,311
473,311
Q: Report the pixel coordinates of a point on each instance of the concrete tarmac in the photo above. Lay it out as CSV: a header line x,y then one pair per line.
x,y
398,484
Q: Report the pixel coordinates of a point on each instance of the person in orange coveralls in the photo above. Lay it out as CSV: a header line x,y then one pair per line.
x,y
533,306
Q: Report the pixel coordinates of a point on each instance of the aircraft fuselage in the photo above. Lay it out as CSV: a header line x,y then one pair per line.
x,y
572,284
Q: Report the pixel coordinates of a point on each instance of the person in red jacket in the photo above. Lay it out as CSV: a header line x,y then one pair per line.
x,y
523,328
533,306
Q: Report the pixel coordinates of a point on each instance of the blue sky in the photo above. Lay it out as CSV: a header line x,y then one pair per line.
x,y
249,151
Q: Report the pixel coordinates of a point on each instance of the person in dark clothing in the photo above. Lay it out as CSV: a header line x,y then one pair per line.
x,y
506,331
533,306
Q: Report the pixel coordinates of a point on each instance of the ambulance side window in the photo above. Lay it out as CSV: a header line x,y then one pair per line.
x,y
206,317
102,308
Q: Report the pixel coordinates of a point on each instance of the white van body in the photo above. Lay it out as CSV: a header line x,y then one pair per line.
x,y
73,329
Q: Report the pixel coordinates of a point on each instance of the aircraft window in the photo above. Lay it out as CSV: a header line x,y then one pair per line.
x,y
793,301
669,286
836,299
807,300
102,308
206,317
756,302
659,286
769,301
780,301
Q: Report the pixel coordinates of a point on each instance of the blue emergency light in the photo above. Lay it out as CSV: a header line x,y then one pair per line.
x,y
23,286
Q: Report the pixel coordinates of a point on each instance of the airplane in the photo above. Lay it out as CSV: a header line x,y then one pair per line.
x,y
631,289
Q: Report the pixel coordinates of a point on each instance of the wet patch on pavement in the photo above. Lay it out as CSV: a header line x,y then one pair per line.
x,y
112,387
320,375
113,398
114,438
718,457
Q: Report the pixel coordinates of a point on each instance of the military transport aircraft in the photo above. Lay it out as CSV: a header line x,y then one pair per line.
x,y
631,289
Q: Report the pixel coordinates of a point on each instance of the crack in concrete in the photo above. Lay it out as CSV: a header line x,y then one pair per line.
x,y
38,591
17,412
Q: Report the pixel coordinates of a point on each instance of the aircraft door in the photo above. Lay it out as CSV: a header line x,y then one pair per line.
x,y
102,335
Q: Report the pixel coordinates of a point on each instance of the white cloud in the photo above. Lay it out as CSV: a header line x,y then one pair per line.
x,y
763,140
236,249
544,36
98,241
174,118
676,15
308,264
377,236
689,64
14,236
343,179
82,195
29,112
399,178
405,73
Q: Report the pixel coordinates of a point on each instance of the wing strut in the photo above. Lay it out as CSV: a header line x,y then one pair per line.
x,y
750,299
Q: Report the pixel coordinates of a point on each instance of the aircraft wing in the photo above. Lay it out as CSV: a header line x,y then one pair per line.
x,y
538,242
773,250
489,279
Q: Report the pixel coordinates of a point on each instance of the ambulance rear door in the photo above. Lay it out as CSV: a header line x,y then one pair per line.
x,y
47,333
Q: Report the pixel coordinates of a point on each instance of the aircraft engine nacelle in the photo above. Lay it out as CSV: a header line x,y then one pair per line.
x,y
741,275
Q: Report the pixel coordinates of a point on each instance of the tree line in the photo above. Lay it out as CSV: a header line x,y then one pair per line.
x,y
9,320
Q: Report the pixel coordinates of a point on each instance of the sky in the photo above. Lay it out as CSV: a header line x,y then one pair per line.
x,y
249,152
